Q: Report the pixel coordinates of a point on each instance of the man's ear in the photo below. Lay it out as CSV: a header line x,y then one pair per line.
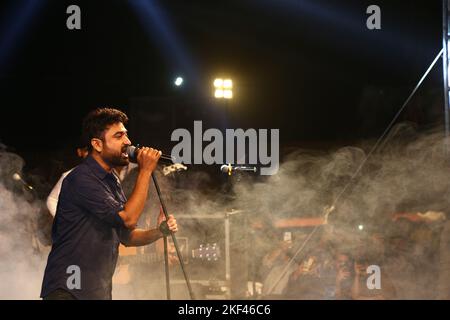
x,y
97,144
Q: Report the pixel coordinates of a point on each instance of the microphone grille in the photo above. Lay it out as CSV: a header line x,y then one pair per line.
x,y
131,151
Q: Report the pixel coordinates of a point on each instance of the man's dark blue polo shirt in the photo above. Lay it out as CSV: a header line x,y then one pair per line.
x,y
86,232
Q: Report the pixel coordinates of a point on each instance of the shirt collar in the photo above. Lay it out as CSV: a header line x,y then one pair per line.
x,y
96,168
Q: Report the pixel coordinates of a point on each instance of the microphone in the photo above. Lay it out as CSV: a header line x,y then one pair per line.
x,y
17,177
133,151
229,169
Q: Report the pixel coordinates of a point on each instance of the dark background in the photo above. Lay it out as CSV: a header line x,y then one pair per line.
x,y
310,68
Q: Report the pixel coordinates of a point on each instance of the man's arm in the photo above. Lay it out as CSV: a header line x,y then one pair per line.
x,y
141,237
147,160
135,204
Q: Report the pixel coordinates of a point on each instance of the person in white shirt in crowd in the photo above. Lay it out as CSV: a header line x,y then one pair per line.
x,y
52,199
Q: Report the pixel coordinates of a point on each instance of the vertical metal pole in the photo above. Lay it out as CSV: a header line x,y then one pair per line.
x,y
166,267
445,6
227,249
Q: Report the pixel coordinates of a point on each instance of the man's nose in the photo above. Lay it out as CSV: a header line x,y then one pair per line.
x,y
127,141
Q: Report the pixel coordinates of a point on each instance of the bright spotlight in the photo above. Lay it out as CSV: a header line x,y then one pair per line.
x,y
360,227
228,94
227,84
219,93
218,83
223,88
178,81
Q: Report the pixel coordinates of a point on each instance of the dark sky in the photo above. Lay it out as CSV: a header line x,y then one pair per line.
x,y
308,67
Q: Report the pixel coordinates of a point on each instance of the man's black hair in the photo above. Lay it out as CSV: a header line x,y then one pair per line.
x,y
98,121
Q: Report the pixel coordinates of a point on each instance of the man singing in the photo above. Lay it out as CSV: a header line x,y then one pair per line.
x,y
93,215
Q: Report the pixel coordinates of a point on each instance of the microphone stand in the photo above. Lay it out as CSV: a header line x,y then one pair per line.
x,y
166,255
166,268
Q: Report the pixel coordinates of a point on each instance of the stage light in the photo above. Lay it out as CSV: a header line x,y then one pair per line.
x,y
360,227
178,81
218,83
228,94
223,88
218,93
227,84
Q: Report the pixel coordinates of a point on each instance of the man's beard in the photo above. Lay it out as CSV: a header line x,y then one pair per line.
x,y
117,159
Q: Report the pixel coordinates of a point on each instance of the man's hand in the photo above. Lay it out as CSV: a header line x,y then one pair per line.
x,y
171,223
139,237
147,158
